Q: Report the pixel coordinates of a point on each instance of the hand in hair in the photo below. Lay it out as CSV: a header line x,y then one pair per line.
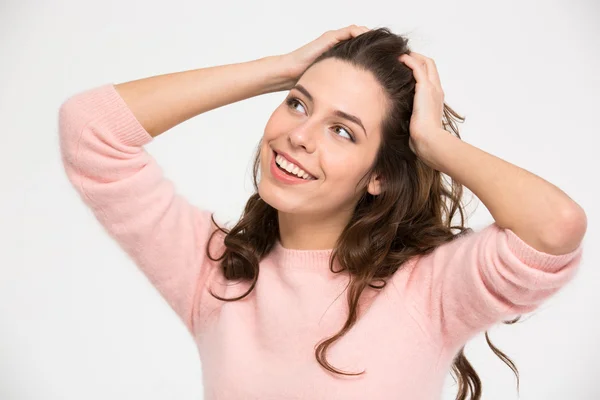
x,y
298,61
428,106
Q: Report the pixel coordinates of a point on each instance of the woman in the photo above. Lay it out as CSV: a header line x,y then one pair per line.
x,y
351,199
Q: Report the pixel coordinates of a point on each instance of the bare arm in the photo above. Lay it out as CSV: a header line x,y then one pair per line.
x,y
164,101
537,211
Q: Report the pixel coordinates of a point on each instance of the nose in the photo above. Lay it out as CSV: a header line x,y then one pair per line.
x,y
304,136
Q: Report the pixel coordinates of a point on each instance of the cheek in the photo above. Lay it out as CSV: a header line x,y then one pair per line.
x,y
342,173
277,123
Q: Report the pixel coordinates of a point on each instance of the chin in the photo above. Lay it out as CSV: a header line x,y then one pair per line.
x,y
276,198
266,194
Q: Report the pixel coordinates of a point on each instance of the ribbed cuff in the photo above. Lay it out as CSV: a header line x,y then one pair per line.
x,y
106,108
538,259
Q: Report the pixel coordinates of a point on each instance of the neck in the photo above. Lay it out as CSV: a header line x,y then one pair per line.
x,y
302,232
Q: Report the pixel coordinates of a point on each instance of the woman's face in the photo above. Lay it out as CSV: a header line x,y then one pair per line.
x,y
336,150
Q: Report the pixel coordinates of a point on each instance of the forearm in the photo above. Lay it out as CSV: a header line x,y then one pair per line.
x,y
537,211
164,101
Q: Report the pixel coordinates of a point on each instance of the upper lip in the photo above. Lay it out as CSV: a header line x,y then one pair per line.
x,y
293,160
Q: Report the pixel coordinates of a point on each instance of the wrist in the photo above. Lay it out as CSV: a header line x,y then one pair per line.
x,y
280,76
432,147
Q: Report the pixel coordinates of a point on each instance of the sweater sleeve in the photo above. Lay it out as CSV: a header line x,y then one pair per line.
x,y
482,278
101,145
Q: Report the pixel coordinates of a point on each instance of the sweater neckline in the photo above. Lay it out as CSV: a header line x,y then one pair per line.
x,y
317,260
278,244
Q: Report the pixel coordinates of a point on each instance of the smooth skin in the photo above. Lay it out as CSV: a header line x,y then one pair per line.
x,y
337,151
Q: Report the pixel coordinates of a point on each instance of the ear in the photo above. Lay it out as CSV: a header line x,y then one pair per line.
x,y
375,186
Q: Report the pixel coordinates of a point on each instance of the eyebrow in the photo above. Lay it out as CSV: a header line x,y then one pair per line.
x,y
339,113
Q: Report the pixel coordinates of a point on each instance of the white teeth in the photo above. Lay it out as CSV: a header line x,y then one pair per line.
x,y
292,168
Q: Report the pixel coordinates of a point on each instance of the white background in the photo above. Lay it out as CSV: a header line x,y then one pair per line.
x,y
79,321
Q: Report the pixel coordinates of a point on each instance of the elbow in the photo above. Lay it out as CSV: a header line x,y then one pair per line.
x,y
569,232
64,121
69,131
65,129
70,125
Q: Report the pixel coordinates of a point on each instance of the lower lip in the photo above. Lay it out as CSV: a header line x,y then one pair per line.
x,y
282,176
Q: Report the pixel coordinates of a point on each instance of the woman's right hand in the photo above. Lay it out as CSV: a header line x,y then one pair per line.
x,y
296,62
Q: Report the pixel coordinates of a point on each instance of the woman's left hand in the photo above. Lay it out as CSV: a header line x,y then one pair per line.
x,y
428,106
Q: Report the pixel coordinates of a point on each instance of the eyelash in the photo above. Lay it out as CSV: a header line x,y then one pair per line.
x,y
291,100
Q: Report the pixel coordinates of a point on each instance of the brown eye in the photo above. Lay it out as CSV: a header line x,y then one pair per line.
x,y
292,101
350,137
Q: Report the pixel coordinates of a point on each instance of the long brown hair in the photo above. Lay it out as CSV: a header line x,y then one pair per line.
x,y
411,216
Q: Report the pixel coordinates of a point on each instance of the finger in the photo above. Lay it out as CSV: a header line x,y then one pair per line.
x,y
349,32
343,33
357,30
420,60
432,71
418,68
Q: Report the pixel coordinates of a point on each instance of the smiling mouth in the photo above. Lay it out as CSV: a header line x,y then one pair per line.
x,y
310,177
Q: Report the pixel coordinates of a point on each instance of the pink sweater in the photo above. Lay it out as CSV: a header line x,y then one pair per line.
x,y
262,347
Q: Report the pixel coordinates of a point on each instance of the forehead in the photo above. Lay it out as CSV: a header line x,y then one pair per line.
x,y
337,85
